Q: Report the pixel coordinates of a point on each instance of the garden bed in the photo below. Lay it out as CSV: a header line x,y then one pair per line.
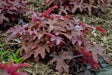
x,y
102,20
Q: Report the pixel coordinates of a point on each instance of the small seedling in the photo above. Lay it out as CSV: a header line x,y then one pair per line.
x,y
10,57
3,54
14,58
1,45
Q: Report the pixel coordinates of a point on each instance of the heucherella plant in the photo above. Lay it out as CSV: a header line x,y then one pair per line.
x,y
10,10
11,68
72,6
62,38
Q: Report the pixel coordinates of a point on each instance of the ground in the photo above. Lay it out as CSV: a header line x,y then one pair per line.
x,y
103,20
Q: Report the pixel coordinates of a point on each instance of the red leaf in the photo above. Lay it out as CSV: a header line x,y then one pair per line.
x,y
92,63
3,66
2,17
18,73
101,30
57,40
60,63
77,4
12,68
49,10
85,53
89,7
14,31
63,10
68,16
97,50
25,46
41,49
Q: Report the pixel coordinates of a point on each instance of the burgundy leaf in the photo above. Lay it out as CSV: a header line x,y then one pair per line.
x,y
59,37
18,73
14,31
92,63
2,17
41,49
77,4
49,10
63,10
97,50
89,7
101,30
11,68
60,63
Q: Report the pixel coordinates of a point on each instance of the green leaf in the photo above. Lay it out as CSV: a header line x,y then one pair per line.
x,y
14,55
17,52
19,60
87,33
10,57
1,45
3,62
1,51
6,52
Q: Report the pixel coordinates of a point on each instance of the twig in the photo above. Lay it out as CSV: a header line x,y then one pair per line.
x,y
11,43
76,56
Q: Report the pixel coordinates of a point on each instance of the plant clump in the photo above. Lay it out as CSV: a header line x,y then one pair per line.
x,y
72,6
11,10
62,39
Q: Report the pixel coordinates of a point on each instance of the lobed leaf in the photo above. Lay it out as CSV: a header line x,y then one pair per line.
x,y
60,63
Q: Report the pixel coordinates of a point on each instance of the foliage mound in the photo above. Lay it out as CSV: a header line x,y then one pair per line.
x,y
62,38
10,10
71,6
